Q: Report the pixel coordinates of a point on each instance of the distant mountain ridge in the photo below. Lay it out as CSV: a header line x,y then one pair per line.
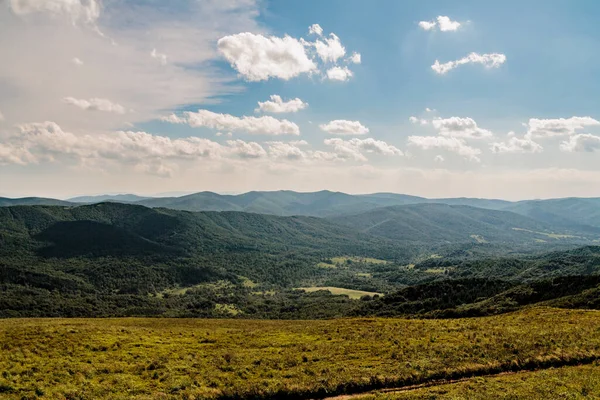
x,y
117,198
581,214
32,201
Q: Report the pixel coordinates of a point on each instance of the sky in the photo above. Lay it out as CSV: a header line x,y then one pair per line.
x,y
437,99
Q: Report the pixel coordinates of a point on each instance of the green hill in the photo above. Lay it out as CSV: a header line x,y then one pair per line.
x,y
32,201
441,223
574,213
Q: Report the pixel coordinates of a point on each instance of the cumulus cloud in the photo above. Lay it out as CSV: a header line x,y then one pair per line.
x,y
265,125
353,149
339,74
344,127
584,142
159,56
287,151
277,105
355,58
443,22
427,25
315,29
48,142
438,159
246,149
419,121
517,145
96,104
146,153
330,49
446,24
543,128
451,144
493,60
465,128
77,61
258,57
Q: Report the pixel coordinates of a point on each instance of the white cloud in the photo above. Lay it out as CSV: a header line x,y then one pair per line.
x,y
339,74
77,61
451,144
516,145
420,121
96,104
159,56
344,127
427,25
258,58
355,58
246,149
443,22
114,71
371,145
1,117
265,125
542,128
48,142
438,159
446,24
584,142
287,151
315,29
353,149
465,128
493,60
77,11
277,105
331,49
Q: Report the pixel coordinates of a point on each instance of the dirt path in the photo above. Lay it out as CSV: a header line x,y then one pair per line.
x,y
439,382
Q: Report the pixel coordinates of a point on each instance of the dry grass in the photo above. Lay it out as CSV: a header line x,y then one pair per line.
x,y
582,382
353,294
186,358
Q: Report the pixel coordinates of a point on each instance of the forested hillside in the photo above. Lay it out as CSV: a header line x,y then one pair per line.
x,y
120,259
450,224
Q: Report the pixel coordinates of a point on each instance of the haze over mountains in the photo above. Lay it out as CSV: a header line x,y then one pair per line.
x,y
579,214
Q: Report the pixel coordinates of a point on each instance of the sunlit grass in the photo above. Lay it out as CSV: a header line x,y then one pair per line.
x,y
353,294
191,358
582,382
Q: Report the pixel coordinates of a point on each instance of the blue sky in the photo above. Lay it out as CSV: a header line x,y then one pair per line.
x,y
121,111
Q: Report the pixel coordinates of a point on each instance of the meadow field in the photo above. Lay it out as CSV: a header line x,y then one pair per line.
x,y
144,358
580,382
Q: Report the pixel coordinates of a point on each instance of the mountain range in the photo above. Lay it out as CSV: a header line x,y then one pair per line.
x,y
579,214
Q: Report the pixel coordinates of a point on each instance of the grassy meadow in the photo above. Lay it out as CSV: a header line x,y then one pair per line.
x,y
353,294
142,358
580,382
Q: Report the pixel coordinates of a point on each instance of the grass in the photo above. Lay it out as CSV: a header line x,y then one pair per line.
x,y
353,294
479,238
242,359
436,271
581,382
364,260
550,235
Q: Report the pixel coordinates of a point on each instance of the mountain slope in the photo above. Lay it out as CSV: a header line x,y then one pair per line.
x,y
118,198
451,224
32,201
205,231
577,213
